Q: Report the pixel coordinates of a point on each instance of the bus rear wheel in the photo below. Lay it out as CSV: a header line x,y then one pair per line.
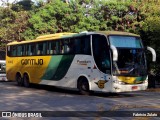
x,y
19,80
83,86
26,81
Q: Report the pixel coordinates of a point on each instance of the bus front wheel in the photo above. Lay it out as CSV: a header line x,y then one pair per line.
x,y
19,80
83,86
26,81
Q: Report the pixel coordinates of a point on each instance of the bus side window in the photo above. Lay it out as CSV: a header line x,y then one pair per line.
x,y
39,48
101,53
71,46
44,48
23,50
61,47
78,48
13,50
19,50
31,50
49,47
83,45
57,47
52,47
66,46
8,50
86,49
27,50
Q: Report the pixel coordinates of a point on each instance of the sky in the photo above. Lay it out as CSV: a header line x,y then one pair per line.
x,y
10,1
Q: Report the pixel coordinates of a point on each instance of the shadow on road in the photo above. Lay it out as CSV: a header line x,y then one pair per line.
x,y
74,92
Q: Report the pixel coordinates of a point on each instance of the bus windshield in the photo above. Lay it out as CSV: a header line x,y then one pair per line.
x,y
131,57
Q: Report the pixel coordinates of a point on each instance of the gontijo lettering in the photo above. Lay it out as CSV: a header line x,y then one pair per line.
x,y
32,61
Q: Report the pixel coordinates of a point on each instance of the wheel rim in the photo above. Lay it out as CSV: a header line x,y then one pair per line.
x,y
84,86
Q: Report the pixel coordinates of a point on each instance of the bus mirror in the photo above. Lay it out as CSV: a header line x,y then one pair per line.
x,y
153,53
115,53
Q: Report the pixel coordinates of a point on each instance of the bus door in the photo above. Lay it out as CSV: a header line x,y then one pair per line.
x,y
101,55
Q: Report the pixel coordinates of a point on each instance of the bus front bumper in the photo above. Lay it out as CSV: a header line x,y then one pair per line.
x,y
127,87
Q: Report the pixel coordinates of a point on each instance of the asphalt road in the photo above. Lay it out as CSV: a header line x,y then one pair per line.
x,y
45,98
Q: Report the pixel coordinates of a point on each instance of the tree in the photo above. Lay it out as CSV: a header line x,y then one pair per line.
x,y
59,16
13,23
7,3
23,5
24,20
150,36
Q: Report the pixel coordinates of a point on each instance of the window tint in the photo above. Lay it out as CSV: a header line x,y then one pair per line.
x,y
27,52
71,49
44,48
101,53
62,47
125,41
39,47
13,50
66,46
53,47
81,45
23,50
31,49
19,50
77,45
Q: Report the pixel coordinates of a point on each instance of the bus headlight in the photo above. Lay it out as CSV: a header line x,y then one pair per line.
x,y
119,82
145,81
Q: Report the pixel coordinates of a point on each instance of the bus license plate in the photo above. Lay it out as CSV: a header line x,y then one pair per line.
x,y
134,87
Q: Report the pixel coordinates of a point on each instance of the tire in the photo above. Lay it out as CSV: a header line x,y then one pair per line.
x,y
83,86
19,80
26,81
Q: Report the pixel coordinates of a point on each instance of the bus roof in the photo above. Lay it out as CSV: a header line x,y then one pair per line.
x,y
107,33
70,35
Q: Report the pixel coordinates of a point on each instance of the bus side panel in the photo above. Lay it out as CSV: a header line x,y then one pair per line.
x,y
58,67
11,67
74,67
82,65
34,66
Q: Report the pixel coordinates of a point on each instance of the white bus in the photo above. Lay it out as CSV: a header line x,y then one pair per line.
x,y
105,61
3,66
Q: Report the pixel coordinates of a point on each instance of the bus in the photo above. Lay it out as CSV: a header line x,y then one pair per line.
x,y
3,66
104,61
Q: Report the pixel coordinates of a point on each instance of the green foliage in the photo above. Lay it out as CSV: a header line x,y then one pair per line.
x,y
151,30
25,20
58,16
12,24
23,5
